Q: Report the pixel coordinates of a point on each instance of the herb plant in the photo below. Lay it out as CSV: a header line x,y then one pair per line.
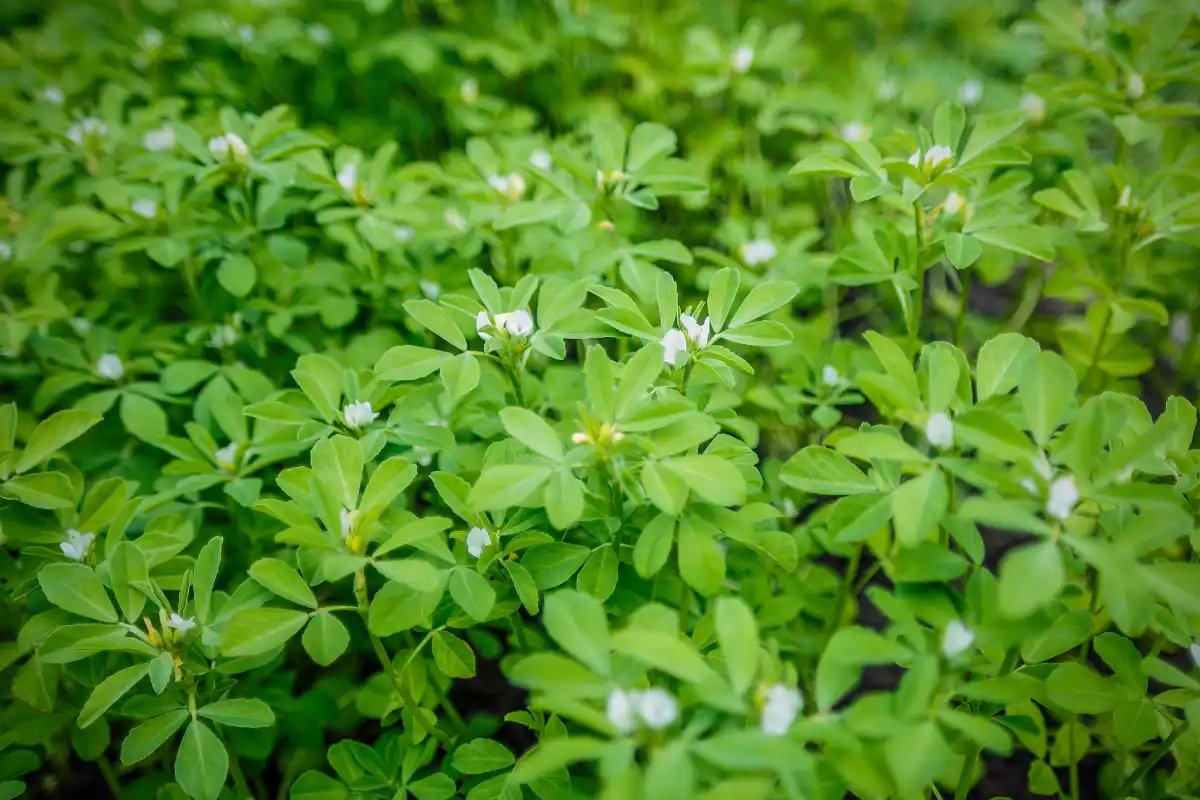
x,y
599,398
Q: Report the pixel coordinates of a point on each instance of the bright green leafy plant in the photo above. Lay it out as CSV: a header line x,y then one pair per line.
x,y
446,399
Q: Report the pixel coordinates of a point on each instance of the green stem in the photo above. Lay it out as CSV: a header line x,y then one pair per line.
x,y
839,602
401,686
964,304
917,301
1074,773
1149,761
110,777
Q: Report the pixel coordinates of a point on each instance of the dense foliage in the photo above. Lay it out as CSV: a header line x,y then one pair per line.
x,y
599,398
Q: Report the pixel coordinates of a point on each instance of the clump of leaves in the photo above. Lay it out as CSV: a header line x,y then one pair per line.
x,y
437,399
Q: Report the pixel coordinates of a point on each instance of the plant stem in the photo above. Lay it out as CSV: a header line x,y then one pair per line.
x,y
917,301
410,703
1149,761
964,304
839,602
110,776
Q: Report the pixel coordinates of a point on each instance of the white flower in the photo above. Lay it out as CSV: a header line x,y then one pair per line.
x,y
1126,197
939,430
477,540
697,333
468,90
160,139
956,639
455,220
1181,328
53,95
782,705
1195,652
830,376
81,325
758,250
1063,497
228,143
886,90
656,707
403,233
246,33
1135,86
431,290
145,208
953,204
224,335
346,520
789,508
110,366
347,177
674,343
511,186
181,624
517,323
319,34
227,457
358,414
540,159
741,59
970,92
579,437
77,545
1034,106
934,156
5,251
86,127
855,132
620,710
151,39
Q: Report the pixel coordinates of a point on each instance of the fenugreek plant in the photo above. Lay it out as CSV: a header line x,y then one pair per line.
x,y
446,398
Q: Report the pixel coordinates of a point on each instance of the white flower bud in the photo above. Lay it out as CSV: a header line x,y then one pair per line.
x,y
783,704
741,59
620,710
939,430
77,545
145,208
657,708
757,251
358,414
477,540
1062,498
674,342
1034,106
697,333
956,639
159,140
110,366
181,624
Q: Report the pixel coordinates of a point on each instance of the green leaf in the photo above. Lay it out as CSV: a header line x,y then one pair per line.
x,y
201,763
109,691
481,755
737,636
598,577
1079,689
436,319
1030,578
563,499
869,445
337,463
453,656
578,624
988,131
713,478
918,506
54,433
409,363
161,669
45,490
472,592
204,577
842,662
648,141
1123,658
1067,631
237,274
507,485
762,300
917,755
416,573
460,375
76,588
313,785
239,713
722,292
252,631
553,564
552,755
126,568
962,250
1025,240
824,164
701,562
280,579
385,484
325,638
666,652
143,740
653,546
1046,391
143,418
532,431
